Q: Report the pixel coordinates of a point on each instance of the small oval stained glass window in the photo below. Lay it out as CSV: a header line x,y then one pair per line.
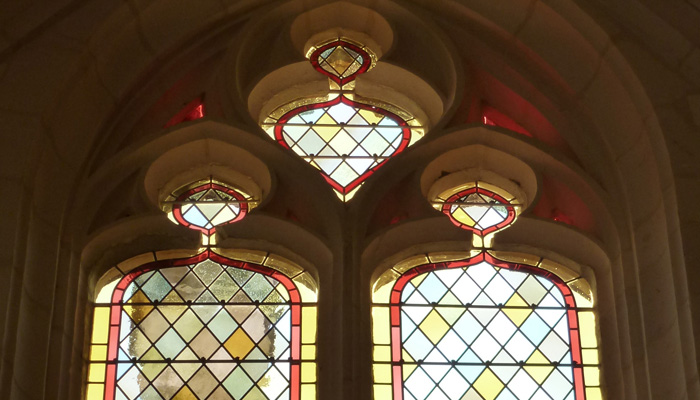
x,y
207,204
341,60
478,209
346,136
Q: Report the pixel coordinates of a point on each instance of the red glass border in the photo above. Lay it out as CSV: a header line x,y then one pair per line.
x,y
366,61
192,111
177,208
455,197
279,129
116,308
395,314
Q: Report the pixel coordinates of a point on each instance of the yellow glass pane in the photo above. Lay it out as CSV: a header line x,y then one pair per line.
x,y
463,217
591,375
97,372
411,262
382,392
100,325
380,325
308,325
173,297
308,352
593,393
172,313
434,327
308,392
382,373
586,322
95,391
170,254
139,312
282,265
371,116
340,60
98,352
405,356
498,190
488,385
348,196
105,293
252,256
517,258
447,256
418,279
582,292
590,356
239,344
382,287
517,315
326,132
538,372
134,262
308,372
416,133
451,184
185,394
566,274
307,287
408,370
152,370
382,353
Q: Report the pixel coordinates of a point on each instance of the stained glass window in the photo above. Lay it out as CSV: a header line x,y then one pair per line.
x,y
450,327
478,207
204,327
204,205
343,135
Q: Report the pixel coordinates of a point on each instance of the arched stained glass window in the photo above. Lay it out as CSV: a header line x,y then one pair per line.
x,y
484,328
345,136
204,327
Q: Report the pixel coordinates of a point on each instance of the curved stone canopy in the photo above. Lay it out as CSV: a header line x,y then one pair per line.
x,y
608,93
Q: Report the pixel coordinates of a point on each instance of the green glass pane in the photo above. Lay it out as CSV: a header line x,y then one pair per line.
x,y
206,297
188,325
222,325
205,312
207,271
241,276
223,288
170,344
157,287
238,383
257,288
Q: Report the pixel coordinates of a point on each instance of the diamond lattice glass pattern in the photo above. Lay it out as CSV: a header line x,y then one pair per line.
x,y
484,332
204,330
207,206
346,140
479,210
341,61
